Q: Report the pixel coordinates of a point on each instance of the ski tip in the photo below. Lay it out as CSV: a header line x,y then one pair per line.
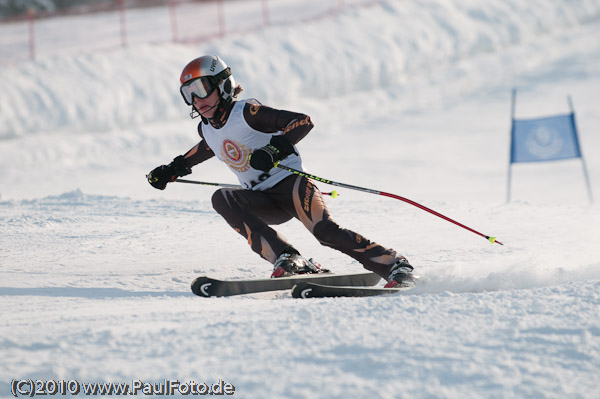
x,y
201,286
301,290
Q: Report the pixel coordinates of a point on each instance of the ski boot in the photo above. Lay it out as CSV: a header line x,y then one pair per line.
x,y
289,264
400,274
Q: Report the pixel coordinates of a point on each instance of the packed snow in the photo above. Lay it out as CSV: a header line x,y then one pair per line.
x,y
408,97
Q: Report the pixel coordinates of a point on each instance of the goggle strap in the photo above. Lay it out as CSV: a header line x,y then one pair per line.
x,y
218,78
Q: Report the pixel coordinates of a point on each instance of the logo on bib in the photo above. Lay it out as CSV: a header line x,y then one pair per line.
x,y
236,155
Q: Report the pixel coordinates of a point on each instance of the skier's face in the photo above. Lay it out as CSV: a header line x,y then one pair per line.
x,y
207,106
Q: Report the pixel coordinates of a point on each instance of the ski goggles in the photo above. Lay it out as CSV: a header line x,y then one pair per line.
x,y
203,86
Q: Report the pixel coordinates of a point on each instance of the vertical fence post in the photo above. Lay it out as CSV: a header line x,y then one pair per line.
x,y
173,14
123,23
31,18
221,12
265,10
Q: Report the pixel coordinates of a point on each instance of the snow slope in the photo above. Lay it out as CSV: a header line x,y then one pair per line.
x,y
408,97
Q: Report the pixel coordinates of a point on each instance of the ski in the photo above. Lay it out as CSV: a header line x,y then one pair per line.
x,y
317,290
210,287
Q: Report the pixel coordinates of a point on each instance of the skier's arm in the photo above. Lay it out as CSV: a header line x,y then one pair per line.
x,y
198,153
181,165
295,125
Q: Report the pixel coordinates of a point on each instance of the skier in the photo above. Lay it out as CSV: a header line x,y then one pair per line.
x,y
250,138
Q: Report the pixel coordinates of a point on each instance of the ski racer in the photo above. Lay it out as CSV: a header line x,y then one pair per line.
x,y
250,138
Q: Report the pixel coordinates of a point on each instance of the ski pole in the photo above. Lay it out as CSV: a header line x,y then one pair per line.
x,y
368,190
333,194
206,183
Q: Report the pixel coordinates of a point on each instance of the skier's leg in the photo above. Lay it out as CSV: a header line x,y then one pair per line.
x,y
250,213
309,207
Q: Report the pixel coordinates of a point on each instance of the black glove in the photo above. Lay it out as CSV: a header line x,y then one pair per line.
x,y
159,177
264,158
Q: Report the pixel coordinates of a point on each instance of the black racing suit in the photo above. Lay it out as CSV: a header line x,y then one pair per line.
x,y
251,213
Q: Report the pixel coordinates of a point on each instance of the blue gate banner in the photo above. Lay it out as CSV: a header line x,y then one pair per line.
x,y
544,139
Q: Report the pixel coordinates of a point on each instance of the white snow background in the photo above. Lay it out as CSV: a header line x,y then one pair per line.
x,y
408,97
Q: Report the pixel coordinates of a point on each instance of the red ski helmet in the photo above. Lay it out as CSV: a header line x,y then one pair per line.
x,y
203,75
